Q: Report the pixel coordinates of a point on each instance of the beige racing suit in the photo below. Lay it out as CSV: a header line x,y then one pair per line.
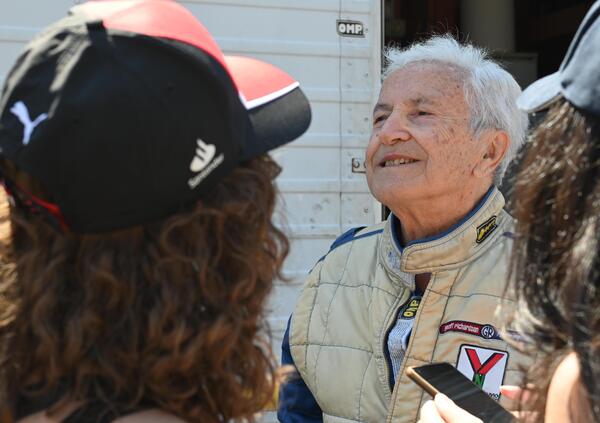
x,y
351,299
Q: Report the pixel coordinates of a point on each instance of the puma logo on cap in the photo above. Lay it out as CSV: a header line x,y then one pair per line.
x,y
19,109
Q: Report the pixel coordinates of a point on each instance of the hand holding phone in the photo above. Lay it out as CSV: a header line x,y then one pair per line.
x,y
443,409
444,378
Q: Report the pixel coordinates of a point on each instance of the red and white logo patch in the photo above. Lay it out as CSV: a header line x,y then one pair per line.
x,y
484,366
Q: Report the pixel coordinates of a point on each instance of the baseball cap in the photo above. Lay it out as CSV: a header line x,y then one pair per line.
x,y
578,78
125,111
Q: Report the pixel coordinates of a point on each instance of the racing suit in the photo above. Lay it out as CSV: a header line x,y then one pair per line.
x,y
338,334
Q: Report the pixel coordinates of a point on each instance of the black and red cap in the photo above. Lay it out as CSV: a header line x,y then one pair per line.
x,y
127,110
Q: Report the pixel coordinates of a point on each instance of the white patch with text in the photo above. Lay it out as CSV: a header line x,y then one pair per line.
x,y
483,366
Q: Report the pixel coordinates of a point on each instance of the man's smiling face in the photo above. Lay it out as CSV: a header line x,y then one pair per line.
x,y
421,146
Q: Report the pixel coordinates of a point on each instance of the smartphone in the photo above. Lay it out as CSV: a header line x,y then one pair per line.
x,y
443,377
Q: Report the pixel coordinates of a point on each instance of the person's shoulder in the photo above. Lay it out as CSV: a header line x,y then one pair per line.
x,y
363,238
360,233
154,415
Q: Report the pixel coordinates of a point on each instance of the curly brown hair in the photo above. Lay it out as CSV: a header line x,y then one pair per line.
x,y
556,261
170,313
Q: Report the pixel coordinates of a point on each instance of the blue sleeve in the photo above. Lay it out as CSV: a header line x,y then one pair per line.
x,y
296,403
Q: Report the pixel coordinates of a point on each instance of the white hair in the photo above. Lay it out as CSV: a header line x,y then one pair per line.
x,y
490,91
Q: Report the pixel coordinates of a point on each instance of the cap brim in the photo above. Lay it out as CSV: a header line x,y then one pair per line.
x,y
541,94
279,111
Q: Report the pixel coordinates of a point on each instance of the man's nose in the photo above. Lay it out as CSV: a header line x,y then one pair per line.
x,y
394,130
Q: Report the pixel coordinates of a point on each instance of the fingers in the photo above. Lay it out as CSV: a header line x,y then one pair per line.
x,y
443,410
526,416
511,391
452,413
522,399
429,413
516,393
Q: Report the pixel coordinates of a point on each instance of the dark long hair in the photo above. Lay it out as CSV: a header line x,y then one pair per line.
x,y
556,266
170,313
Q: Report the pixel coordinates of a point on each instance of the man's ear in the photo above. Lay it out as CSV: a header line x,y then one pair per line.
x,y
495,145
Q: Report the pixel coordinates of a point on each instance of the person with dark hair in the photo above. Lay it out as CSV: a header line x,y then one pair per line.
x,y
556,260
139,249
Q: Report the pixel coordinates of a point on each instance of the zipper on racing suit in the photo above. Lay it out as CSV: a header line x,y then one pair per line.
x,y
412,338
389,326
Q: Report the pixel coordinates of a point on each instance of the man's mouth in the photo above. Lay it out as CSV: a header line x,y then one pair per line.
x,y
397,162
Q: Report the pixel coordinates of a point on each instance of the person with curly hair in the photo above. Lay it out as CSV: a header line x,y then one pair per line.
x,y
138,249
556,260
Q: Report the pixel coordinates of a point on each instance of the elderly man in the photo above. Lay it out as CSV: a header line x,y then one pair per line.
x,y
423,286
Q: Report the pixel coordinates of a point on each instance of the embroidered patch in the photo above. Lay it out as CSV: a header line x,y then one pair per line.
x,y
485,229
483,331
484,366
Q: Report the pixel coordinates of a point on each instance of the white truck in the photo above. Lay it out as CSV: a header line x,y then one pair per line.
x,y
333,47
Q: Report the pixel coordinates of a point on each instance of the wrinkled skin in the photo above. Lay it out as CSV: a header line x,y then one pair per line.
x,y
422,116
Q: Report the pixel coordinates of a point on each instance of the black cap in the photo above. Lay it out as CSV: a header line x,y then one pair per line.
x,y
125,111
578,78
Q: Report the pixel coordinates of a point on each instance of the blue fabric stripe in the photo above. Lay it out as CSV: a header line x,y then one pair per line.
x,y
378,231
349,236
345,237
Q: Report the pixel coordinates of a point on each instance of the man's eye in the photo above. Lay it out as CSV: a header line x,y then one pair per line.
x,y
423,113
378,119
